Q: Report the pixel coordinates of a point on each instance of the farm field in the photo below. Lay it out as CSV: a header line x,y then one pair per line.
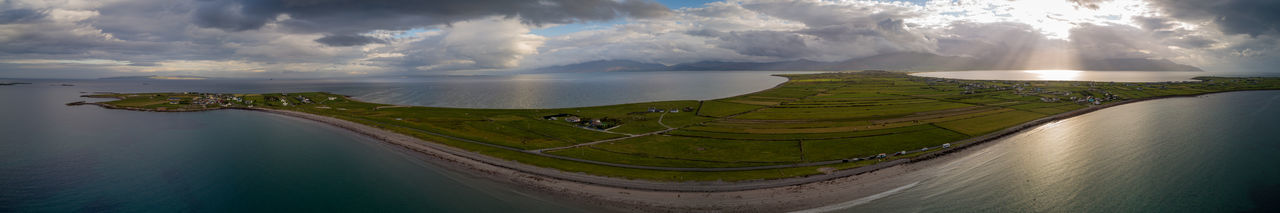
x,y
812,124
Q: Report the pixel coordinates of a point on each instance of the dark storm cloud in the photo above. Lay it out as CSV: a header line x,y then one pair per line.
x,y
20,16
1111,41
1153,23
762,43
232,16
145,20
999,39
143,64
1192,42
855,32
1252,17
1091,4
348,40
357,16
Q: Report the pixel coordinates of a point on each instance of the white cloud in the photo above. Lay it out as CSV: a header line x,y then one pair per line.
x,y
492,42
160,36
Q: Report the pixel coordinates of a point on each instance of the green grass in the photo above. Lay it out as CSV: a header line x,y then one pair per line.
x,y
645,160
865,112
820,150
812,117
796,136
986,124
706,149
723,109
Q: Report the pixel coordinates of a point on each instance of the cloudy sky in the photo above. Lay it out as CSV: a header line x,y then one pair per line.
x,y
338,38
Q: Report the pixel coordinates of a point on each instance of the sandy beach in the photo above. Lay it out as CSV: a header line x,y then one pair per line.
x,y
832,190
791,194
774,199
824,191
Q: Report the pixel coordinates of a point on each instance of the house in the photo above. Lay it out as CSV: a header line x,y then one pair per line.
x,y
573,119
597,122
556,116
675,110
333,98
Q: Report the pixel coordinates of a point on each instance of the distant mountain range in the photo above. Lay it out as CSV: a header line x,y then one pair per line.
x,y
157,77
893,61
604,66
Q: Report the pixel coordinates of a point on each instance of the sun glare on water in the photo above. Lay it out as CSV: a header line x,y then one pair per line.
x,y
1056,75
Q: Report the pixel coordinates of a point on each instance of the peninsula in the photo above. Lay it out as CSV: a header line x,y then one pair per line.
x,y
812,128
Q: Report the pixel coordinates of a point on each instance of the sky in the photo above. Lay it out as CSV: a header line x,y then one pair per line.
x,y
345,38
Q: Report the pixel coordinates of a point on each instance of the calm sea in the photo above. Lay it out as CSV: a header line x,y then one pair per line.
x,y
1213,153
59,158
1209,153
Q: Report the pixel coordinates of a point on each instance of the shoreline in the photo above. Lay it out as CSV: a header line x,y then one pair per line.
x,y
796,193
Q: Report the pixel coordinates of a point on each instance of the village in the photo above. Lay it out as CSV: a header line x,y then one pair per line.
x,y
812,121
606,123
195,101
1092,93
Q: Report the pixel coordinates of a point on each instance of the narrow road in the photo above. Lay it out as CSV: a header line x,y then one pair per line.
x,y
540,152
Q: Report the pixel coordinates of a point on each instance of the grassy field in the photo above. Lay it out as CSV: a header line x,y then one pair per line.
x,y
828,117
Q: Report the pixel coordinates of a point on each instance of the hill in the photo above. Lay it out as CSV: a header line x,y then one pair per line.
x,y
604,66
156,77
908,61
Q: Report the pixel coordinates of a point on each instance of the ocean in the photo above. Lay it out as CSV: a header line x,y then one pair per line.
x,y
1212,153
1209,153
84,158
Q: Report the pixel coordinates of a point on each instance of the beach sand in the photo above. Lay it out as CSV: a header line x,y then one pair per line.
x,y
832,190
789,197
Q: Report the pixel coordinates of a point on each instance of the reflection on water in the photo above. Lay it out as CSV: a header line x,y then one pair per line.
x,y
1068,75
1208,153
1056,75
57,158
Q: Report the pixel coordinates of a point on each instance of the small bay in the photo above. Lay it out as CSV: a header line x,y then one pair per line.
x,y
83,158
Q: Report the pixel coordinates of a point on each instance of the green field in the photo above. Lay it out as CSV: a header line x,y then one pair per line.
x,y
833,119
